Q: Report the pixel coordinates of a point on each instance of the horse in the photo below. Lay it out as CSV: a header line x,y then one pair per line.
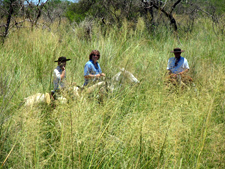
x,y
74,91
180,81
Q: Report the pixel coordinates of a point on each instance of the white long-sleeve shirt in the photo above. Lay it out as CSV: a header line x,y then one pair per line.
x,y
58,83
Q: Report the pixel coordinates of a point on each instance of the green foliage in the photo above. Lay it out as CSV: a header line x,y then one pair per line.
x,y
116,11
53,4
219,4
142,126
78,11
72,16
5,4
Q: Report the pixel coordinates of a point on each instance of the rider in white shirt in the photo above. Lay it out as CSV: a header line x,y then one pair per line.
x,y
60,73
177,65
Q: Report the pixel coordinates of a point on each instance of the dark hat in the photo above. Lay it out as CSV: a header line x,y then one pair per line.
x,y
62,59
177,50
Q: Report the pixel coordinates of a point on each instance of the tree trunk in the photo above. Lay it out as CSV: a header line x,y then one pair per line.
x,y
8,21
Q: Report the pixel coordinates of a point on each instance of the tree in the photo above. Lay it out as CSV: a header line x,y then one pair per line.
x,y
34,11
8,8
55,9
158,5
11,9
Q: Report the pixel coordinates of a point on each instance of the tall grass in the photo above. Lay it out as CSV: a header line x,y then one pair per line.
x,y
144,126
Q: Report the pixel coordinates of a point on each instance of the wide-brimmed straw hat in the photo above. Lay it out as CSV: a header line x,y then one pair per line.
x,y
62,59
177,50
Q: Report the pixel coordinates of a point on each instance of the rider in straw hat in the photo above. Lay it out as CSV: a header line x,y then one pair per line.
x,y
178,66
60,73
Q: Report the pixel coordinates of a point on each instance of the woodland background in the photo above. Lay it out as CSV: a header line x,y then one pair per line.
x,y
141,126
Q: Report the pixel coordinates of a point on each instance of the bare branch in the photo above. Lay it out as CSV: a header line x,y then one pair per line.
x,y
167,14
214,18
3,25
164,4
174,6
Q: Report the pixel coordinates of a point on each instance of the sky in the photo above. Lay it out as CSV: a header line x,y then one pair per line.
x,y
36,1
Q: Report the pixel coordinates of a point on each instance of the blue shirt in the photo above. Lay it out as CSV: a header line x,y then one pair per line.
x,y
91,69
181,65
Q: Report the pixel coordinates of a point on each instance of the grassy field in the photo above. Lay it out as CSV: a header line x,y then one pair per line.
x,y
144,126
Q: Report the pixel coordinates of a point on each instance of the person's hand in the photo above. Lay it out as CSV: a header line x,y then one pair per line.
x,y
102,74
99,75
63,67
173,75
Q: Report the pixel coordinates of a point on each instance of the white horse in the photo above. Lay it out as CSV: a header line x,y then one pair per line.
x,y
41,98
37,98
115,82
122,77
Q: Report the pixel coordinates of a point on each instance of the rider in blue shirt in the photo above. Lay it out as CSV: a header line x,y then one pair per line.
x,y
177,64
178,67
92,69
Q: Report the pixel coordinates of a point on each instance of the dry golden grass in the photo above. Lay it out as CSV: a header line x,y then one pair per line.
x,y
144,126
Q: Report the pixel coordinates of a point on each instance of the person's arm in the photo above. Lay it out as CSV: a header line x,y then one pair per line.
x,y
94,76
169,66
87,70
101,74
185,71
58,75
63,73
169,71
186,67
87,75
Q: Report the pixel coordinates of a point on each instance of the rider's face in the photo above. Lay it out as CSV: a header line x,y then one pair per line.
x,y
177,54
62,64
95,57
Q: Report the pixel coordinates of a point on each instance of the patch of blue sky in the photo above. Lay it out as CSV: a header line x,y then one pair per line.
x,y
43,1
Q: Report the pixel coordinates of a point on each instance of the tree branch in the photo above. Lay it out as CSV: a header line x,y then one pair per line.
x,y
174,6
